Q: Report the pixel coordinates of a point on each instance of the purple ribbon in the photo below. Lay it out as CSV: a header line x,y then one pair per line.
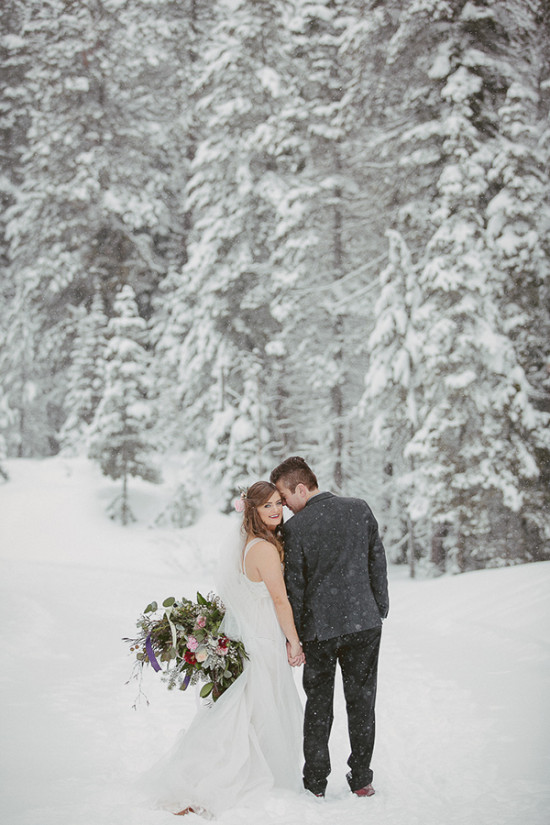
x,y
151,654
186,681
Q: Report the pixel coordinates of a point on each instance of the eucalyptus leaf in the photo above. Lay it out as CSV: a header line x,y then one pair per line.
x,y
151,607
169,602
207,690
168,654
201,599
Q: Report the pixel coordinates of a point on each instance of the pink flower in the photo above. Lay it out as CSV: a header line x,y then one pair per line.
x,y
201,655
239,505
201,621
221,651
192,643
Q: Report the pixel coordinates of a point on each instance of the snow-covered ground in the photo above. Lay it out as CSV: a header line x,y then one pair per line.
x,y
463,706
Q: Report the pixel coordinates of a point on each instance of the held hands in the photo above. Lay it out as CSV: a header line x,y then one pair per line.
x,y
295,654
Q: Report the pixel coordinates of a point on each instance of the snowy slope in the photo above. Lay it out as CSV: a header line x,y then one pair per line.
x,y
463,710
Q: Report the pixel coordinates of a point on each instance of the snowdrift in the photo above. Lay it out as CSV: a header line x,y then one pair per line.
x,y
463,711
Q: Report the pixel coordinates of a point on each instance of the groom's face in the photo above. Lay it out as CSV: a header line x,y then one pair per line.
x,y
295,501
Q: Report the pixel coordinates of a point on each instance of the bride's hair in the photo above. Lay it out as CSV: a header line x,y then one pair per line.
x,y
256,495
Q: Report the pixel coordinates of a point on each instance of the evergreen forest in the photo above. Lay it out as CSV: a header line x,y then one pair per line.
x,y
237,230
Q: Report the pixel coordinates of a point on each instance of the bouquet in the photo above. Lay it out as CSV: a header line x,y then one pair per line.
x,y
186,636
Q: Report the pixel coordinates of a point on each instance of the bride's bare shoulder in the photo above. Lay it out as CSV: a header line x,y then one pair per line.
x,y
260,544
262,549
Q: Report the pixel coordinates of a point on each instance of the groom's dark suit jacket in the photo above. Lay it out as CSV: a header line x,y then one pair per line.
x,y
335,568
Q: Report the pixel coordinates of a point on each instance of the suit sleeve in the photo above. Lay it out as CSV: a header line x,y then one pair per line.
x,y
294,576
378,572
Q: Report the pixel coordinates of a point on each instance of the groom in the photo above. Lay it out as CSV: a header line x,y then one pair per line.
x,y
335,571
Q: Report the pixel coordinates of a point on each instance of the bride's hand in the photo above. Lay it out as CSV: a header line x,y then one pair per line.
x,y
295,654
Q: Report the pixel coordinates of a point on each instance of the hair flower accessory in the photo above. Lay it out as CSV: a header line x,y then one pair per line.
x,y
239,503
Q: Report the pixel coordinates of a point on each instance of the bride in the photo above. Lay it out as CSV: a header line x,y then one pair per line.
x,y
249,741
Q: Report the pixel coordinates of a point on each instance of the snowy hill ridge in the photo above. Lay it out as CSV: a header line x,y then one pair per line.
x,y
463,714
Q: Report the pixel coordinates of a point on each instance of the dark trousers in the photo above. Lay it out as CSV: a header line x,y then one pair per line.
x,y
357,654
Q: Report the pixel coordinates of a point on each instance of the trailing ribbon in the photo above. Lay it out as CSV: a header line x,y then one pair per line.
x,y
151,654
167,613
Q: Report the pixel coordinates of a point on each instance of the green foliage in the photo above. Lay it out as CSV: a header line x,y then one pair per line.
x,y
187,637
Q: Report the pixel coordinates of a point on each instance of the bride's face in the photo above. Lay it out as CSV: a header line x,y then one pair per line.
x,y
271,513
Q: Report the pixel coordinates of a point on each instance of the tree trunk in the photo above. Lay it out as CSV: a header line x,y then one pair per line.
x,y
410,545
437,550
336,392
124,510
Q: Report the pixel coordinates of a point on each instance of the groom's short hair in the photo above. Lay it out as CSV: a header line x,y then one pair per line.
x,y
294,471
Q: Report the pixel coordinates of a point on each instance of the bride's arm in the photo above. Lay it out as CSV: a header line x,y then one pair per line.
x,y
265,559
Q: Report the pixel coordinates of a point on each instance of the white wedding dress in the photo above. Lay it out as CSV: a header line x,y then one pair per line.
x,y
250,740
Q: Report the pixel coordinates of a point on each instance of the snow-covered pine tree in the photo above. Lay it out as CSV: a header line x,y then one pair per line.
x,y
248,457
3,471
4,425
220,321
518,218
475,452
330,236
389,402
12,126
29,432
120,434
25,433
100,163
189,25
315,253
86,375
371,117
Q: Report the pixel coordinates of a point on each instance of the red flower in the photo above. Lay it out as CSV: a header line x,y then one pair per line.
x,y
190,657
223,645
